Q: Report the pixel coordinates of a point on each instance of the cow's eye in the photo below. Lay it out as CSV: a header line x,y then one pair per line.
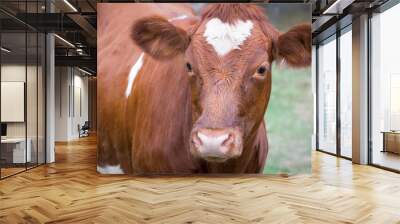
x,y
261,70
189,67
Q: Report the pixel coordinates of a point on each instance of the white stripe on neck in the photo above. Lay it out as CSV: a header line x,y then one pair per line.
x,y
178,18
110,169
132,74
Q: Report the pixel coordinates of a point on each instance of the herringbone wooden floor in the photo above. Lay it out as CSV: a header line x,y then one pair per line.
x,y
70,191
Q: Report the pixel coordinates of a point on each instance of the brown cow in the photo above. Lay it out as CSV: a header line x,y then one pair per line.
x,y
202,87
116,56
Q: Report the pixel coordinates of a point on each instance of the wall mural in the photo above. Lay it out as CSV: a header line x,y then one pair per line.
x,y
193,88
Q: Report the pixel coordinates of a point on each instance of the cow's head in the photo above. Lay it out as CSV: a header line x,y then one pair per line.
x,y
229,62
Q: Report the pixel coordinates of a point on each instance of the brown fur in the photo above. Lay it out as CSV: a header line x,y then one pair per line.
x,y
116,55
224,95
295,46
166,104
159,38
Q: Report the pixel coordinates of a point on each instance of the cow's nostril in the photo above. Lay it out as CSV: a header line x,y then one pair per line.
x,y
229,140
216,145
213,139
196,140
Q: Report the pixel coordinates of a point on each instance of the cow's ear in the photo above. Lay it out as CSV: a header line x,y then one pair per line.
x,y
294,46
159,38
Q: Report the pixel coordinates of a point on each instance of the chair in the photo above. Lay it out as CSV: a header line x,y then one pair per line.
x,y
84,130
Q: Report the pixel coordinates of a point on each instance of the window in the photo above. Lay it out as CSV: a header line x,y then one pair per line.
x,y
22,91
346,92
385,89
327,95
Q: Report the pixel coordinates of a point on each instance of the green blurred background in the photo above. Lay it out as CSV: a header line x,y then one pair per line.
x,y
289,122
289,116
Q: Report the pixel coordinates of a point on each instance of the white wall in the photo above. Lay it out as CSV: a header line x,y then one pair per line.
x,y
12,73
33,127
71,94
61,103
81,103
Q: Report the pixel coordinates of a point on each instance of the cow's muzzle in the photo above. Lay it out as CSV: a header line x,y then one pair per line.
x,y
216,145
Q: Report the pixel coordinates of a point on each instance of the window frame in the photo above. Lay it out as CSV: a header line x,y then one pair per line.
x,y
336,35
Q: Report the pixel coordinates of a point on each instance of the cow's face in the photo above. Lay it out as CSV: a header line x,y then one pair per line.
x,y
229,69
229,66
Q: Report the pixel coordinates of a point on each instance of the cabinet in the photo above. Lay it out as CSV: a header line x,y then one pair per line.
x,y
391,142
